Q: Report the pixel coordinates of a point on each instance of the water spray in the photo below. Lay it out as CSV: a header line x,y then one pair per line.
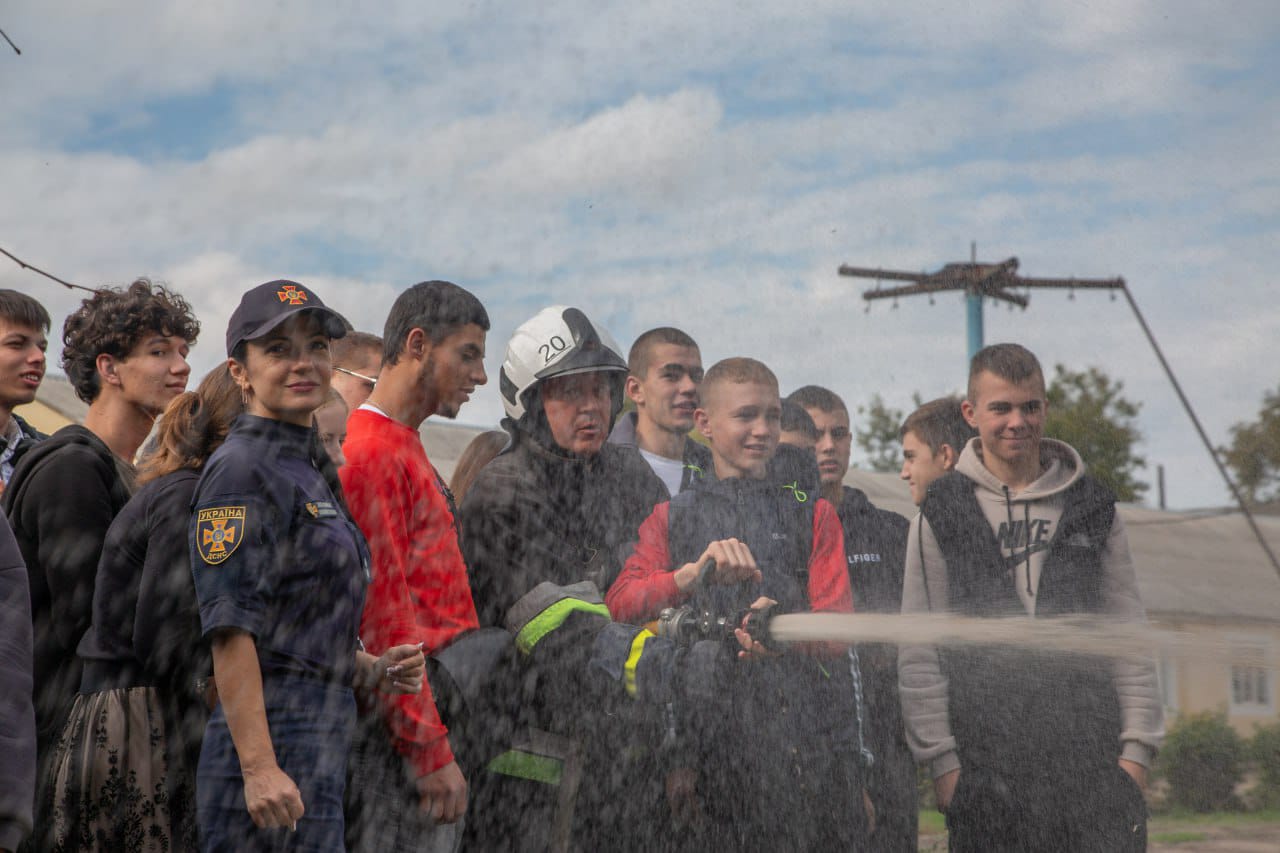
x,y
1074,634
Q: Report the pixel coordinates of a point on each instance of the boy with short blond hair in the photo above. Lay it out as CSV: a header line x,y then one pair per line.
x,y
357,359
740,416
776,758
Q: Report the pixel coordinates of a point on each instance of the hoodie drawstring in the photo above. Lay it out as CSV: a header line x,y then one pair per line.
x,y
1026,545
1026,532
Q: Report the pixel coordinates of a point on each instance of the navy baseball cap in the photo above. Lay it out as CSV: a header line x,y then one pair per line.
x,y
268,305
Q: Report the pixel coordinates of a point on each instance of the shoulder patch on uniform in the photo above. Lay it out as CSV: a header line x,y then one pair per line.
x,y
219,530
321,509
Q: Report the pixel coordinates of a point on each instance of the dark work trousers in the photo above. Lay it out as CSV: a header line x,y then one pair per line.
x,y
311,726
891,780
990,813
382,809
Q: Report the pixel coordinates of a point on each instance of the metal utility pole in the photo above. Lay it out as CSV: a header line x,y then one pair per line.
x,y
973,308
978,281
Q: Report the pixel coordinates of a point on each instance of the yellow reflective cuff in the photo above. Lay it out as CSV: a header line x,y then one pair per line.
x,y
633,659
526,765
552,618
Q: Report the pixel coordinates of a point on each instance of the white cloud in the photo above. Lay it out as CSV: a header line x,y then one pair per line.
x,y
646,147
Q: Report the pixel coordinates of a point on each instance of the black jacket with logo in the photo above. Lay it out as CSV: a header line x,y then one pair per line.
x,y
875,544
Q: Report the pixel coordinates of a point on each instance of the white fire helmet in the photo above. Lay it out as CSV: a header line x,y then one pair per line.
x,y
557,341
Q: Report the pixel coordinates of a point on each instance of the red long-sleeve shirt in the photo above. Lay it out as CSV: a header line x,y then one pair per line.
x,y
419,592
647,582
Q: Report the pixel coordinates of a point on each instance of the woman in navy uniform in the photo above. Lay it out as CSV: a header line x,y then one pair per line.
x,y
280,575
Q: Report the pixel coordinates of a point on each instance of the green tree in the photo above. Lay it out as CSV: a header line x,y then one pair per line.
x,y
1088,411
1254,454
877,434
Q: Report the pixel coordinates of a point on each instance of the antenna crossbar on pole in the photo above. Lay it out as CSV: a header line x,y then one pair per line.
x,y
990,281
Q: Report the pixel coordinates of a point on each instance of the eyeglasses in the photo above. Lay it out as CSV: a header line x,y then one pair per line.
x,y
371,380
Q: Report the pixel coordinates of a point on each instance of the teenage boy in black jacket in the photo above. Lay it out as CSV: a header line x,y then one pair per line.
x,y
875,546
774,750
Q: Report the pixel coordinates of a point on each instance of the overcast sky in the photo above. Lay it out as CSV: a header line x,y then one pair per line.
x,y
704,165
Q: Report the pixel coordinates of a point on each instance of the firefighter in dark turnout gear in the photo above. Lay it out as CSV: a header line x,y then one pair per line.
x,y
555,510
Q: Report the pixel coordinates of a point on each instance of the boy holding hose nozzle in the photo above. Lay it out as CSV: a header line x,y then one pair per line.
x,y
775,752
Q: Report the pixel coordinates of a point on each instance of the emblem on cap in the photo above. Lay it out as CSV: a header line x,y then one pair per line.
x,y
219,531
292,294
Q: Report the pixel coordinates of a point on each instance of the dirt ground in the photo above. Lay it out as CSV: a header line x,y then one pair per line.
x,y
1170,835
1191,838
